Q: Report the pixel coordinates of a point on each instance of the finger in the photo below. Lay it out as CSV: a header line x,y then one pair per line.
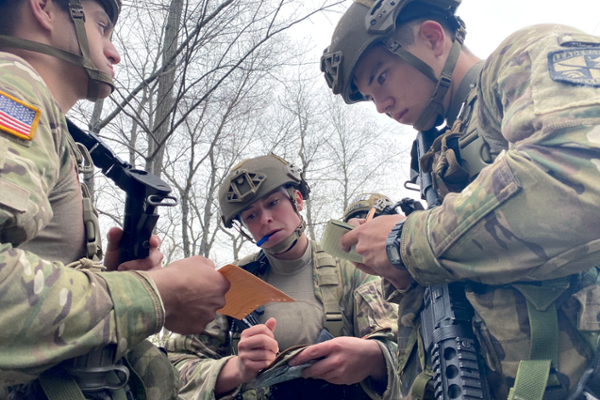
x,y
153,260
114,237
356,221
255,330
271,324
348,240
319,370
258,342
310,353
154,241
257,356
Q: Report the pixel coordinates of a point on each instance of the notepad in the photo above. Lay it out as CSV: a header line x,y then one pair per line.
x,y
330,241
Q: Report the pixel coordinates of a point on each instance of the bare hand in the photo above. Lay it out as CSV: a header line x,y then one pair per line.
x,y
192,290
111,257
345,361
369,238
256,350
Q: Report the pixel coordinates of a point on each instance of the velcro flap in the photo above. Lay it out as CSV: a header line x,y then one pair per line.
x,y
13,196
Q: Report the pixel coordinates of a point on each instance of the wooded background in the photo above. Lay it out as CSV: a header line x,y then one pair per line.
x,y
205,84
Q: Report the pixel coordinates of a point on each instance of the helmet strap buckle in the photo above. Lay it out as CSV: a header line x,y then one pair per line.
x,y
77,11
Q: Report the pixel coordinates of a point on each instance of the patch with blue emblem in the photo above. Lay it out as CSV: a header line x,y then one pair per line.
x,y
576,66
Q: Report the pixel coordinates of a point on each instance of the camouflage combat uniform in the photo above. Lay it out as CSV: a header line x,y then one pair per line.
x,y
533,215
51,312
200,358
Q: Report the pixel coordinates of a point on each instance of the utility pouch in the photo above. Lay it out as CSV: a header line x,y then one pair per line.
x,y
443,161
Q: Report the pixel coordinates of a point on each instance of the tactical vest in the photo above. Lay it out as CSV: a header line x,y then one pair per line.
x,y
329,283
328,279
454,160
85,165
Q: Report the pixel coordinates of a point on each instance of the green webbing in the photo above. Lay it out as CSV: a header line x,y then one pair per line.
x,y
59,385
413,60
444,82
417,390
329,283
543,319
544,333
532,375
531,381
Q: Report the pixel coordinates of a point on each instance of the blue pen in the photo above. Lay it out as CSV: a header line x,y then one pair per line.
x,y
264,239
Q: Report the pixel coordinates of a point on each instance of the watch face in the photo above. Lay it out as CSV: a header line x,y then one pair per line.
x,y
393,254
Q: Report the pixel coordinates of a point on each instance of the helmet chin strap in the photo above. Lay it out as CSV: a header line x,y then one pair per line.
x,y
434,107
95,77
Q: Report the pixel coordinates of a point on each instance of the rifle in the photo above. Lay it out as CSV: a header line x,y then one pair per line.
x,y
449,341
96,373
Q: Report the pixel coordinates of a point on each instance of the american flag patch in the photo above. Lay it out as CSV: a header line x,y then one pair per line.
x,y
18,118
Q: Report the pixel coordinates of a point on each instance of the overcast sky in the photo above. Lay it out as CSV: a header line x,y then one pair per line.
x,y
488,22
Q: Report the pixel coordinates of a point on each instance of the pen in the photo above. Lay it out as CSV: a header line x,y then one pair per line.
x,y
371,214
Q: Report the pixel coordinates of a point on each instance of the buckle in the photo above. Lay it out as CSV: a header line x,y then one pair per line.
x,y
445,82
77,11
334,317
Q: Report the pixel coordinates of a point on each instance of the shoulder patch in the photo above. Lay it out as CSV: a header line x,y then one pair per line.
x,y
576,66
17,117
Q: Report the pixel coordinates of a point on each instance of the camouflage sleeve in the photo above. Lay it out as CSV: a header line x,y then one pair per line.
x,y
373,319
50,312
200,359
532,214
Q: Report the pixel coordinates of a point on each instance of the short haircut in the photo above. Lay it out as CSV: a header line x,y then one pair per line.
x,y
10,14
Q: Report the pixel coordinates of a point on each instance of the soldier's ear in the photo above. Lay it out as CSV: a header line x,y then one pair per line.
x,y
299,199
432,34
44,12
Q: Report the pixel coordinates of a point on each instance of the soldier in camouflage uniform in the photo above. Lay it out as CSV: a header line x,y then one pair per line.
x,y
519,223
50,311
334,301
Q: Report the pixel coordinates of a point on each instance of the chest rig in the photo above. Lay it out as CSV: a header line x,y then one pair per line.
x,y
458,152
85,165
329,285
455,158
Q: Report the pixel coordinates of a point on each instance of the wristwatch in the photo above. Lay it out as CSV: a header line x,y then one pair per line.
x,y
392,246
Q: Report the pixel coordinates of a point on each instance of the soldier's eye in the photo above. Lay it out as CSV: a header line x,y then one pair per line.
x,y
381,78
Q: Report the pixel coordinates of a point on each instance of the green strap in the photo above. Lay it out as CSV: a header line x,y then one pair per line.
x,y
417,390
533,374
532,378
543,318
544,333
329,284
59,385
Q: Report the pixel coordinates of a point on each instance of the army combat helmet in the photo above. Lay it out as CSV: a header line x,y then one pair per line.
x,y
361,205
367,23
95,77
255,178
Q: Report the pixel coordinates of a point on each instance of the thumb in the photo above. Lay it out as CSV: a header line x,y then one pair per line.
x,y
271,323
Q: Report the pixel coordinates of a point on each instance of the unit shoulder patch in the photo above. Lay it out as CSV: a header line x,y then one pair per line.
x,y
17,117
578,66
